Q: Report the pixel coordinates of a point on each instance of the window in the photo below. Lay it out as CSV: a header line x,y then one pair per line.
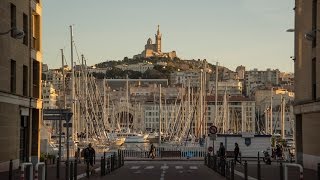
x,y
25,81
36,78
314,79
25,29
314,21
13,18
13,77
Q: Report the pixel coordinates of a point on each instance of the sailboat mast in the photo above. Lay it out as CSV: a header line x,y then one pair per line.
x,y
72,80
159,114
216,96
86,101
283,106
104,101
127,98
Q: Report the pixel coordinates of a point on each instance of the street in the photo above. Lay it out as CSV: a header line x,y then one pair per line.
x,y
163,170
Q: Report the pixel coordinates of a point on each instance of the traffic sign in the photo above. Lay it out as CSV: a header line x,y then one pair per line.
x,y
213,136
213,129
210,149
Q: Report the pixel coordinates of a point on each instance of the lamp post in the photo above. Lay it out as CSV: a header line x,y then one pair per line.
x,y
18,34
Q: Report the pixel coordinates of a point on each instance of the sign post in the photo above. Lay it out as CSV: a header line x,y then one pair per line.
x,y
213,131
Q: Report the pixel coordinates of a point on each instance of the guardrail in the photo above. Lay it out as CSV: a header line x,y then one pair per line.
x,y
184,152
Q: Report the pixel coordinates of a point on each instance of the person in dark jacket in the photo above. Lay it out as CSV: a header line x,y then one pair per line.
x,y
236,153
89,155
222,151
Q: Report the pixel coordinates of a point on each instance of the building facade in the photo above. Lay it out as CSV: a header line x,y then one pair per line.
x,y
20,81
307,82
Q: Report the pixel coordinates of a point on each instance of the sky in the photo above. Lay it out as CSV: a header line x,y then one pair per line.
x,y
251,33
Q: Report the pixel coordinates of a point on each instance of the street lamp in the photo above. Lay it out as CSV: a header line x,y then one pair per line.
x,y
290,30
18,34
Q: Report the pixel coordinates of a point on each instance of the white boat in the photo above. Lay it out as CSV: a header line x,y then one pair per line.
x,y
116,140
133,137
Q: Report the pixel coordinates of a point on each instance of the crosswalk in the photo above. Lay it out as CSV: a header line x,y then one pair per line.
x,y
164,167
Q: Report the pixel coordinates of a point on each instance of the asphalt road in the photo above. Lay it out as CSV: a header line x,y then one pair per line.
x,y
162,170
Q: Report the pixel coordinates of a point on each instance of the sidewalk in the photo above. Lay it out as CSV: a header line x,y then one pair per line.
x,y
272,172
52,170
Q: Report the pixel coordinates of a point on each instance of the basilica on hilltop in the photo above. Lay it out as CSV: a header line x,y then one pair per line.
x,y
154,50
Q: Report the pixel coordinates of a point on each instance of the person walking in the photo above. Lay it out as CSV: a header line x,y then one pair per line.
x,y
236,153
152,151
222,155
89,157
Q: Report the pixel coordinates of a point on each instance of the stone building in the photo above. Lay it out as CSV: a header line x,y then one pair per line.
x,y
20,81
307,82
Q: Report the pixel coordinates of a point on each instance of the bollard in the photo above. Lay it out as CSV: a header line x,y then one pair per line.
x,y
227,170
71,171
58,168
245,170
67,170
45,170
122,158
108,165
102,167
112,161
232,170
215,163
75,171
259,170
223,167
281,171
10,169
318,171
206,159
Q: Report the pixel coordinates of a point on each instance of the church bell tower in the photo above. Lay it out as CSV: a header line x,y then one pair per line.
x,y
158,40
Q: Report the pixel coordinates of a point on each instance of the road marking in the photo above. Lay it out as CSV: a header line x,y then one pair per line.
x,y
137,172
242,175
135,167
179,167
193,167
149,167
164,167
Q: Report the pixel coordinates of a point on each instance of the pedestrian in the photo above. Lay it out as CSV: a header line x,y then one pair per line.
x,y
222,151
222,155
78,155
89,157
236,153
152,151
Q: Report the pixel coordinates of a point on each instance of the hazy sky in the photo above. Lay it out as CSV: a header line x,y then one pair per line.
x,y
233,32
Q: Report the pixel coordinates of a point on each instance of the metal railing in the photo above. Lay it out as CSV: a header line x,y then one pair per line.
x,y
185,152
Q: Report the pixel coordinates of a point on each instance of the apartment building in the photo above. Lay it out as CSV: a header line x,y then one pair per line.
x,y
20,84
307,82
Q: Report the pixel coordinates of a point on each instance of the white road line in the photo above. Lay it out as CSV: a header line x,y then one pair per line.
x,y
193,167
137,172
149,167
179,167
164,167
135,167
242,175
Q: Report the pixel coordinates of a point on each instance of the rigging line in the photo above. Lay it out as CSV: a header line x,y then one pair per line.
x,y
76,52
